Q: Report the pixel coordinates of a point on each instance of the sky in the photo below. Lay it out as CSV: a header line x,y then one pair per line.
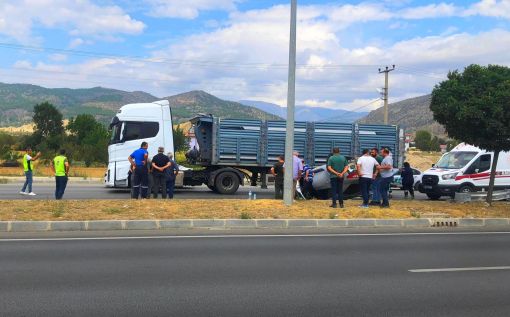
x,y
238,49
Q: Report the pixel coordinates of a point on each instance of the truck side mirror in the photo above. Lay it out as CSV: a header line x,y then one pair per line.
x,y
433,165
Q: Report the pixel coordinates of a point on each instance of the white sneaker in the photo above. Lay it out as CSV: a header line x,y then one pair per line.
x,y
31,194
22,193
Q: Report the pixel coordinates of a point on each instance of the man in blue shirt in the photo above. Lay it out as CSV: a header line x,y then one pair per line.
x,y
138,160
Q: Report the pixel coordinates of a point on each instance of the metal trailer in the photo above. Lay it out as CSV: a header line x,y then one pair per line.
x,y
234,147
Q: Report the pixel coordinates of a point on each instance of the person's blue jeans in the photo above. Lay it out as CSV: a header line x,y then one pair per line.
x,y
376,191
384,188
28,182
337,192
170,185
60,186
364,184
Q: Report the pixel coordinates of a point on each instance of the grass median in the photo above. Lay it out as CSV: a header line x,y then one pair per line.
x,y
236,209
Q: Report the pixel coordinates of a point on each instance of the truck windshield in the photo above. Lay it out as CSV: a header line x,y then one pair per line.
x,y
455,160
124,131
116,133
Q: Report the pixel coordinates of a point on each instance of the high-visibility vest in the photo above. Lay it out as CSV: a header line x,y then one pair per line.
x,y
60,166
27,164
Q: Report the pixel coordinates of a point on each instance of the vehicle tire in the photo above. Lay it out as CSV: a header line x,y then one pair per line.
x,y
211,187
433,196
465,189
227,183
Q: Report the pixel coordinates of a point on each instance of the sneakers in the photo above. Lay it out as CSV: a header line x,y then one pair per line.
x,y
23,193
363,206
332,206
31,194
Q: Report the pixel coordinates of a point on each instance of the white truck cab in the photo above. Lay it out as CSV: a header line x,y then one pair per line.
x,y
134,124
466,168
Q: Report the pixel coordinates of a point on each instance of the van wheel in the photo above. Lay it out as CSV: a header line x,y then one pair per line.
x,y
227,183
433,196
465,189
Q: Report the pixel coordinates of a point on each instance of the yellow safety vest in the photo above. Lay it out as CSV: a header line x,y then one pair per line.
x,y
60,166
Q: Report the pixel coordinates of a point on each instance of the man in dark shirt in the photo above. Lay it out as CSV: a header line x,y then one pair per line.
x,y
337,167
277,171
138,160
171,172
160,162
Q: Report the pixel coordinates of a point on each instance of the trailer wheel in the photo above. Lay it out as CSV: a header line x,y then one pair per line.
x,y
227,183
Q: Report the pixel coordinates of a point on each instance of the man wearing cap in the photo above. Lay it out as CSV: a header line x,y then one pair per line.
x,y
160,162
138,160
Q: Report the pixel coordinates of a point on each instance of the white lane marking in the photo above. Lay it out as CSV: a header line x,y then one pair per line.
x,y
460,269
258,236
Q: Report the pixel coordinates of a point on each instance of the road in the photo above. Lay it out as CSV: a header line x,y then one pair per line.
x,y
98,191
320,275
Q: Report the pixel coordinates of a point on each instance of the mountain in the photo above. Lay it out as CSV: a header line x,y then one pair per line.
x,y
18,100
187,105
412,114
306,113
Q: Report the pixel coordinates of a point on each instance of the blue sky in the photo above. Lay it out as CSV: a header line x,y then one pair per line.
x,y
238,49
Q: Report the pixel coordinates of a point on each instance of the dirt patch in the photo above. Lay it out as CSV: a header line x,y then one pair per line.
x,y
234,209
422,160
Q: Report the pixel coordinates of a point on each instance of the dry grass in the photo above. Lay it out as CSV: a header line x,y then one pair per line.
x,y
422,160
234,209
86,172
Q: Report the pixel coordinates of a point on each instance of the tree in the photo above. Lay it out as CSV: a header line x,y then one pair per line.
x,y
474,106
89,139
422,140
180,142
49,128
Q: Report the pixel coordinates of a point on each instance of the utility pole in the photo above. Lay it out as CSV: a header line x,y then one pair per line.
x,y
386,71
291,99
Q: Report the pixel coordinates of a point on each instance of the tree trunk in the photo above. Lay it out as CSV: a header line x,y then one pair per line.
x,y
493,177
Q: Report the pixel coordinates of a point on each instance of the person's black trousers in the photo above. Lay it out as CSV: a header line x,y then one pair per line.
x,y
364,184
170,185
337,192
140,182
60,186
278,189
159,180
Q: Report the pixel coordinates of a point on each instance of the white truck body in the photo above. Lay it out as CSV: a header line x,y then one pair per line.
x,y
134,124
465,168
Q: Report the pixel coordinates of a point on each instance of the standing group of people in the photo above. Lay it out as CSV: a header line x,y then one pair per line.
x,y
59,165
374,168
163,168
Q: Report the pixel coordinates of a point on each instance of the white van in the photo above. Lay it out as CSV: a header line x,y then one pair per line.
x,y
465,168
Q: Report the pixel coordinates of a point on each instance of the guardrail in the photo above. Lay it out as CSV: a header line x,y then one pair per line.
x,y
482,196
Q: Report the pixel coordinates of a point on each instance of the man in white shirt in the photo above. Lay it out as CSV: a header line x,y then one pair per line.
x,y
365,166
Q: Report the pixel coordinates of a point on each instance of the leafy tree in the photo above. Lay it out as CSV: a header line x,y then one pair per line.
x,y
474,106
180,142
48,120
422,140
89,139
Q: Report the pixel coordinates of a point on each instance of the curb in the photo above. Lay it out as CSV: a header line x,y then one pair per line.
x,y
99,225
46,180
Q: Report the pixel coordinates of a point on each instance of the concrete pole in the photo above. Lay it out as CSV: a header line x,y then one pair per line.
x,y
291,99
386,97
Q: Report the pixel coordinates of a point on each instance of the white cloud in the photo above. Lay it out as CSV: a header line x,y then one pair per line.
x,y
430,11
79,17
187,9
491,8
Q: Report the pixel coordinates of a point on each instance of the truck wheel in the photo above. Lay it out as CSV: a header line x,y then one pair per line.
x,y
465,189
433,196
211,187
227,183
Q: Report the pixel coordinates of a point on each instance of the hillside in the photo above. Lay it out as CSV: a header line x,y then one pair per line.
x,y
411,114
186,105
306,113
18,100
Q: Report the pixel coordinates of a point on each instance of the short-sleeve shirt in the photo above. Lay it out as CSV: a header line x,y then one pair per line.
x,y
172,169
338,163
160,160
307,168
278,170
388,160
297,166
139,156
368,164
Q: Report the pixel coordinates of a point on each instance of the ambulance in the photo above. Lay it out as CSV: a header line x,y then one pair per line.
x,y
466,168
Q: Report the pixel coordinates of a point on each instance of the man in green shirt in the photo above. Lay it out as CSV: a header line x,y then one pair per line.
x,y
60,166
337,167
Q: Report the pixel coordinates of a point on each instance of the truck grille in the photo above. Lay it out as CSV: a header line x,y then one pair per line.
x,y
430,180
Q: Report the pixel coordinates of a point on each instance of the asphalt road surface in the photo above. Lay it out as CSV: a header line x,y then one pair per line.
x,y
98,191
456,274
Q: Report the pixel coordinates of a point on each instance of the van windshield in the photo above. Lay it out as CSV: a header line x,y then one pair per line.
x,y
455,160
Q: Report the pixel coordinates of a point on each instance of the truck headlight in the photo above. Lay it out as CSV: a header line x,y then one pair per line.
x,y
446,177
